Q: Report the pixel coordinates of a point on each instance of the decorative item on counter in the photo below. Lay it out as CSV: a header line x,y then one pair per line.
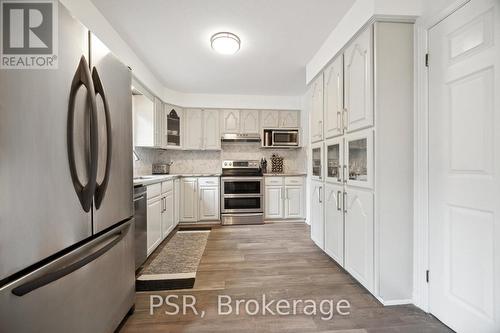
x,y
263,165
276,164
161,168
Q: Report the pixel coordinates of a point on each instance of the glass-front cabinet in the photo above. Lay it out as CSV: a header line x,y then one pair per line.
x,y
359,159
317,161
172,127
335,160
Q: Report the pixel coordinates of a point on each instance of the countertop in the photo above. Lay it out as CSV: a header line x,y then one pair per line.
x,y
153,179
285,174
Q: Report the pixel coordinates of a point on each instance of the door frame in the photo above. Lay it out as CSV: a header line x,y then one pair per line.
x,y
421,244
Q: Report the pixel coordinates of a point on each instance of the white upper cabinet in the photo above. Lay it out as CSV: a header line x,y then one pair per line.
x,y
316,105
289,119
358,70
280,119
231,121
334,99
158,128
359,228
172,127
193,138
270,119
145,121
249,121
211,131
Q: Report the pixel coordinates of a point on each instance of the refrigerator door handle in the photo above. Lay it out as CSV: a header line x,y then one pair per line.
x,y
100,190
52,276
82,77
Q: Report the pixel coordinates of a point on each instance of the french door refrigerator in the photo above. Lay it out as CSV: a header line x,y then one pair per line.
x,y
66,192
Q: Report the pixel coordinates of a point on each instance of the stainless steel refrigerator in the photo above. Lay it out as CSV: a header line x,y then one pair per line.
x,y
66,192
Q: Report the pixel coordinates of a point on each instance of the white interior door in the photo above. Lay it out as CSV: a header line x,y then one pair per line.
x,y
464,168
359,255
334,222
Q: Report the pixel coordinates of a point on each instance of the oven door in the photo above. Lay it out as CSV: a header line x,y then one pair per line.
x,y
242,195
241,186
285,138
242,204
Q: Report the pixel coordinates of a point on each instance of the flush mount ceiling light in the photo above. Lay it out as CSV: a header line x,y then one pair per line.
x,y
225,43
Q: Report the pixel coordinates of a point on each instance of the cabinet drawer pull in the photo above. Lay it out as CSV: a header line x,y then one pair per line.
x,y
339,194
344,202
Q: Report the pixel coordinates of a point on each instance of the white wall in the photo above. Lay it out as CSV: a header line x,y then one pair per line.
x,y
89,15
359,14
234,101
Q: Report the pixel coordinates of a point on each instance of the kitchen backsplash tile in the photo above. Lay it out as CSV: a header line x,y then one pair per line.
x,y
187,161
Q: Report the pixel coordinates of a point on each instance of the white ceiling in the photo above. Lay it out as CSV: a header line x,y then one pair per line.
x,y
279,37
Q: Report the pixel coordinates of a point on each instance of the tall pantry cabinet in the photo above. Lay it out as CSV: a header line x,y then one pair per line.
x,y
362,183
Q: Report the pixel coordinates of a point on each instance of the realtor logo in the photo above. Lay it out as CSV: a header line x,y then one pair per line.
x,y
29,34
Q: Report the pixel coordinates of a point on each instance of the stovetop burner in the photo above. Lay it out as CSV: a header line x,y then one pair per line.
x,y
241,168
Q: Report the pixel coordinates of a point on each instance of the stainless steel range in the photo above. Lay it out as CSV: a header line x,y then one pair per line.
x,y
242,195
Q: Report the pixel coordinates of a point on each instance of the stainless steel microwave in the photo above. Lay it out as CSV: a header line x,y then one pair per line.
x,y
286,138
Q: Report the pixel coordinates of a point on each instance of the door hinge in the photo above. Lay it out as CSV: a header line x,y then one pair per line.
x,y
427,60
427,276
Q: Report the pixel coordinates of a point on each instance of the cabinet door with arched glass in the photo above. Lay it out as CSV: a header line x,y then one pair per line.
x,y
334,160
173,128
317,161
359,158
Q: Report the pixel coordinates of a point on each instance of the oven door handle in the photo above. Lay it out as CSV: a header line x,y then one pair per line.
x,y
241,179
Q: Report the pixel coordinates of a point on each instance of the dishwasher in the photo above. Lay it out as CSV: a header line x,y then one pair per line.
x,y
141,218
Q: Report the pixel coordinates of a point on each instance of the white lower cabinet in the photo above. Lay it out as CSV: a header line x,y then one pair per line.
x,y
359,228
284,198
294,202
161,213
177,201
317,221
199,199
154,211
168,214
334,222
189,199
209,199
274,202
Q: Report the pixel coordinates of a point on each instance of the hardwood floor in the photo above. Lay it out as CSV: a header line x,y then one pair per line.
x,y
280,261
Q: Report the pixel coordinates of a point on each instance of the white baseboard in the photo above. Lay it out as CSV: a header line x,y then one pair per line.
x,y
395,302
